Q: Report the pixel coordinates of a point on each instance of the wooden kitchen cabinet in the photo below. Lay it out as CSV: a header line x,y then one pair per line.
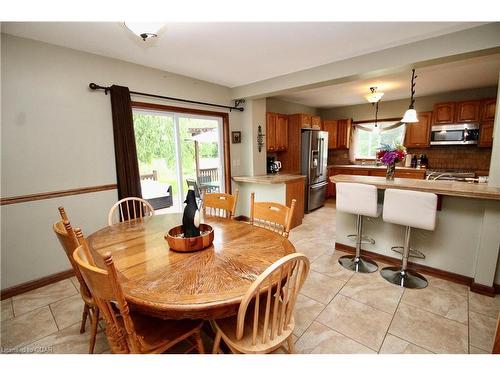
x,y
444,113
290,158
486,134
281,132
343,134
331,127
271,119
418,134
468,111
488,109
315,122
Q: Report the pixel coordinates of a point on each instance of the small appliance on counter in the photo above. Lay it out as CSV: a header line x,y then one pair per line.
x,y
273,166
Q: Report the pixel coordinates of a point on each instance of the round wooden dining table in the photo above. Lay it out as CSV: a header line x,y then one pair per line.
x,y
207,284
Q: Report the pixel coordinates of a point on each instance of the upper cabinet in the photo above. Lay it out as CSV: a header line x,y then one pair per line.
x,y
343,133
315,122
488,108
331,127
486,134
468,111
418,134
276,132
444,113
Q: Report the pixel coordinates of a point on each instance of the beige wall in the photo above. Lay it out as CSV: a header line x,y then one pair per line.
x,y
288,108
396,108
57,134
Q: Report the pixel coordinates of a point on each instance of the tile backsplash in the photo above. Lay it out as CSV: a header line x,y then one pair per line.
x,y
440,157
456,157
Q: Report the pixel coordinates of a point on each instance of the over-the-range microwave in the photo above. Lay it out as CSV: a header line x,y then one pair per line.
x,y
455,134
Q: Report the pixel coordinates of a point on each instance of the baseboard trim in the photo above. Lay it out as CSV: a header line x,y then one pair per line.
x,y
34,284
242,218
483,289
497,288
441,274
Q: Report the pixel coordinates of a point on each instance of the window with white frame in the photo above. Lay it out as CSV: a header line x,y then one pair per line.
x,y
366,141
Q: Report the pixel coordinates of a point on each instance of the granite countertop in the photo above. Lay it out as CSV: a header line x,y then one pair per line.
x,y
370,166
277,178
451,188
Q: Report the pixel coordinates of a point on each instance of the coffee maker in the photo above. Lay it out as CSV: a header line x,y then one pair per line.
x,y
273,166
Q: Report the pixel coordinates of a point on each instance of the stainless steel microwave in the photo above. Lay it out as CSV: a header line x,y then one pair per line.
x,y
456,134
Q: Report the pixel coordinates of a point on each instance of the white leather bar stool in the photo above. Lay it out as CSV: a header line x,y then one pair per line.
x,y
413,209
361,200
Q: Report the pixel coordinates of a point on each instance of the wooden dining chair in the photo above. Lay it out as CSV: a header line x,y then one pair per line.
x,y
273,216
128,209
260,330
66,236
130,332
220,204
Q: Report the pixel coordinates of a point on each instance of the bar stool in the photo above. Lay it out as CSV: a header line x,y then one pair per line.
x,y
413,209
361,200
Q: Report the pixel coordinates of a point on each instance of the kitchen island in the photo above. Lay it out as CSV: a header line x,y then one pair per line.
x,y
278,187
465,243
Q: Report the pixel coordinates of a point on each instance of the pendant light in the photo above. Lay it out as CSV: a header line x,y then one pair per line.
x,y
410,115
145,30
374,96
376,128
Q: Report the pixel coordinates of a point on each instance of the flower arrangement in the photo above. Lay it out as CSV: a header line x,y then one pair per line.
x,y
389,155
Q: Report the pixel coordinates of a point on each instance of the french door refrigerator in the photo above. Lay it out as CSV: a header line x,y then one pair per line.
x,y
314,160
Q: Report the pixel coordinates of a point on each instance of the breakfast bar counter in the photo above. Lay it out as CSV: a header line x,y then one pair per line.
x,y
465,243
451,188
277,178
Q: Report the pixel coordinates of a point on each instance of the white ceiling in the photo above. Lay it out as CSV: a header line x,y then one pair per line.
x,y
234,54
465,74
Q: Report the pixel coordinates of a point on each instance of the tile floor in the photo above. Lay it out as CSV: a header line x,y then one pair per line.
x,y
337,311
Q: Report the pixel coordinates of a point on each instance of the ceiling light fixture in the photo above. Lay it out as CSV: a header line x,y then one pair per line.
x,y
145,30
374,96
410,115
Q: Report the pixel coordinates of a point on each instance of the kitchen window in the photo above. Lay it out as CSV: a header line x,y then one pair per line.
x,y
366,141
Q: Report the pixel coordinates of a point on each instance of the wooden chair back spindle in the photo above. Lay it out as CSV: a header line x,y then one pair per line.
x,y
273,216
276,289
129,209
107,290
220,204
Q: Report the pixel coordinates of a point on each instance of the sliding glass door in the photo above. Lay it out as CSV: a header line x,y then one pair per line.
x,y
177,150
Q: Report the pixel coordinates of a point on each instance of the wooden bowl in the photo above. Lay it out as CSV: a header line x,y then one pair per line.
x,y
182,244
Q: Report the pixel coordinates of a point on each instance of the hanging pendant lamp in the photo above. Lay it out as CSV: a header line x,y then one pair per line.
x,y
410,115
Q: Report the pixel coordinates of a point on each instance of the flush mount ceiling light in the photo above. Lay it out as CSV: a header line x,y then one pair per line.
x,y
374,96
145,30
410,115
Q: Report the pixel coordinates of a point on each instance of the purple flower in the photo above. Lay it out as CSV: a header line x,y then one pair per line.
x,y
389,158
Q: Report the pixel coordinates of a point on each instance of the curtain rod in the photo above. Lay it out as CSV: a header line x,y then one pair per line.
x,y
237,102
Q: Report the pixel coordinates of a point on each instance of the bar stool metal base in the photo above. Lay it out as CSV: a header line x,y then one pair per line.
x,y
358,264
414,253
404,278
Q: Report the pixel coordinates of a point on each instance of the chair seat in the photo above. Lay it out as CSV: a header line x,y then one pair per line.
x,y
157,335
227,328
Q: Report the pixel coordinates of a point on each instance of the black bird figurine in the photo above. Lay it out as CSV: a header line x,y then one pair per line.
x,y
191,216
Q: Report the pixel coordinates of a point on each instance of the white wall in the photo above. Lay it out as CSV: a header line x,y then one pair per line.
x,y
57,134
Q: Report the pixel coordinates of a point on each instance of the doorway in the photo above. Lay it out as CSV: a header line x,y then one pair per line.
x,y
176,150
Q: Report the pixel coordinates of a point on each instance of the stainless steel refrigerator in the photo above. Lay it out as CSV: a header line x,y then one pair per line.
x,y
313,165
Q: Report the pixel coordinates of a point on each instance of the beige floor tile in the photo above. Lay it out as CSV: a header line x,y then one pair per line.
x,y
329,266
435,282
7,311
484,305
482,331
68,311
319,339
26,328
474,350
447,303
68,341
373,290
320,287
43,296
312,248
395,345
356,320
306,310
429,331
75,282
